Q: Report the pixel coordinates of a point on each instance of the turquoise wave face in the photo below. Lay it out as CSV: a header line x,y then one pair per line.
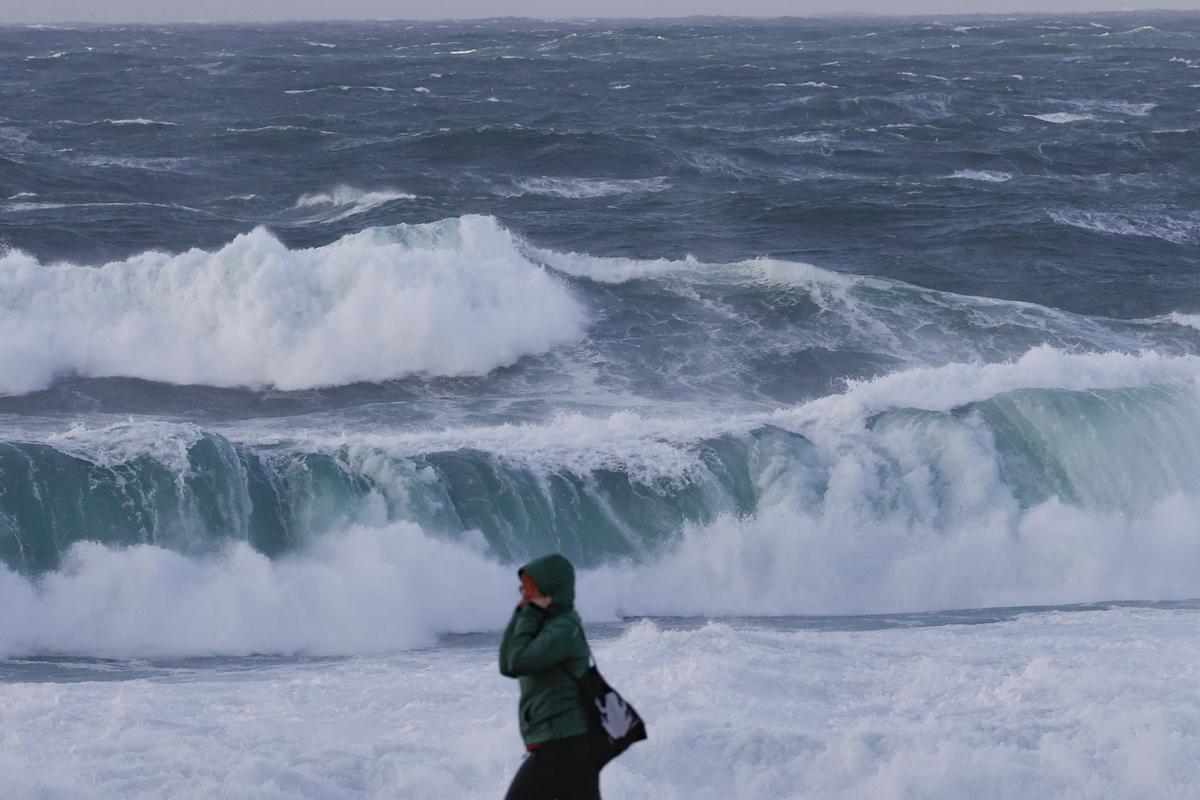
x,y
219,491
1116,451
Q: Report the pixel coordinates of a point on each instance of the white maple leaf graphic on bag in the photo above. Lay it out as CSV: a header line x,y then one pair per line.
x,y
614,716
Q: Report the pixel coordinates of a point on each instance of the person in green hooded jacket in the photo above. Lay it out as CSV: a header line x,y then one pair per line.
x,y
545,649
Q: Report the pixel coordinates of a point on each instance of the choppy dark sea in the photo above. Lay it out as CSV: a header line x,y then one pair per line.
x,y
800,316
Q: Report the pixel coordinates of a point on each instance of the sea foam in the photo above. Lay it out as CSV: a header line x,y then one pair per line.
x,y
1051,702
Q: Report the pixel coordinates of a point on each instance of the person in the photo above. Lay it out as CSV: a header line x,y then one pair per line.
x,y
545,649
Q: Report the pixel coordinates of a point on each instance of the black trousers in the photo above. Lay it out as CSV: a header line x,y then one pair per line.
x,y
561,769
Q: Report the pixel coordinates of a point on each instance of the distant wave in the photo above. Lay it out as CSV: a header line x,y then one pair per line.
x,y
813,138
448,298
122,122
984,175
346,201
1062,117
281,129
1157,226
50,206
589,187
1087,109
1118,107
339,88
141,121
163,164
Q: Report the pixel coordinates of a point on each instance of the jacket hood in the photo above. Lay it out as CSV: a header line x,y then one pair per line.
x,y
555,578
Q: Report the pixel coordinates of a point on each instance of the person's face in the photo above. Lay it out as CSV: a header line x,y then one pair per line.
x,y
529,588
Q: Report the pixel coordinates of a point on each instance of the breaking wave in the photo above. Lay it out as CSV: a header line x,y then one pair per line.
x,y
448,298
1056,477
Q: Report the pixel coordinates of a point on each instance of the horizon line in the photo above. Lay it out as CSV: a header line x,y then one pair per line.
x,y
883,15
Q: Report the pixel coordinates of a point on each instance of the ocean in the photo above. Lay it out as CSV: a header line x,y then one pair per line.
x,y
854,362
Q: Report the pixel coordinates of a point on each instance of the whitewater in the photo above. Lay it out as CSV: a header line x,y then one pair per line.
x,y
854,363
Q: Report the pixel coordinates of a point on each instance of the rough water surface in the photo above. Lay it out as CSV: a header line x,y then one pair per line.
x,y
309,333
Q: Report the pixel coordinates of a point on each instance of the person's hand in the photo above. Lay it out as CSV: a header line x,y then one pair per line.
x,y
541,601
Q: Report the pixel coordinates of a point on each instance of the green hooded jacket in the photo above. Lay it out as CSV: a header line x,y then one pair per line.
x,y
537,645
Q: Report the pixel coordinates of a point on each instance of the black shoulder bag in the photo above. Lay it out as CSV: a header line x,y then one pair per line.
x,y
612,723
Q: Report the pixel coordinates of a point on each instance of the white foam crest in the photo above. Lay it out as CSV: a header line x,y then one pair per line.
x,y
582,188
813,138
141,121
1062,117
339,88
264,128
153,164
984,175
51,206
1118,107
347,201
611,270
1187,320
447,298
121,442
17,208
658,446
646,447
619,270
951,386
1157,226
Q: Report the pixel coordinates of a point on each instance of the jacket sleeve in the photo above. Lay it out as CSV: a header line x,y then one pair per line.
x,y
536,644
506,644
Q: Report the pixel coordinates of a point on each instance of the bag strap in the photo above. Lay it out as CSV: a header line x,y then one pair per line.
x,y
591,659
